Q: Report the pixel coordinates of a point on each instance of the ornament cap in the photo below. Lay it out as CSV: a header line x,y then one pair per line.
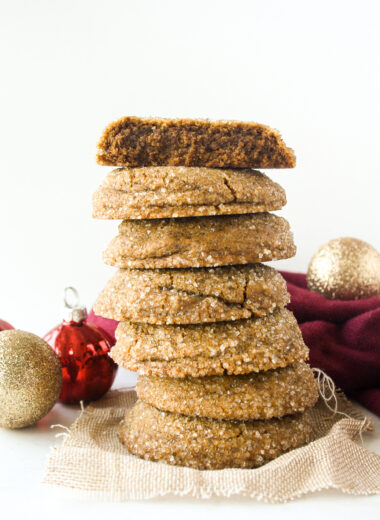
x,y
73,309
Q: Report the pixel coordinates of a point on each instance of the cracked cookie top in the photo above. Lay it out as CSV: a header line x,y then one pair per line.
x,y
239,347
179,191
135,141
200,241
261,395
192,295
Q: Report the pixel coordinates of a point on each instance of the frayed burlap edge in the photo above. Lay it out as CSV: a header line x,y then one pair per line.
x,y
92,461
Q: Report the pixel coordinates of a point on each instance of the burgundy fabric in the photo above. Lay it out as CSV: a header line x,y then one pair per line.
x,y
109,326
343,337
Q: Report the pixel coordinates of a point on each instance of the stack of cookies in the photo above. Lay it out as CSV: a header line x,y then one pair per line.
x,y
222,375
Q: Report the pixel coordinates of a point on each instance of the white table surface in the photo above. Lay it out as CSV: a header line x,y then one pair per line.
x,y
23,455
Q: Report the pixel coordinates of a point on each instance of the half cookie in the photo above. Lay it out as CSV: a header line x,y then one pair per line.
x,y
200,242
192,295
132,141
178,191
262,395
210,349
209,443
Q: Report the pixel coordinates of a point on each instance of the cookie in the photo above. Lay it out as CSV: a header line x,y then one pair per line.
x,y
261,395
238,347
192,295
201,443
133,141
200,241
178,191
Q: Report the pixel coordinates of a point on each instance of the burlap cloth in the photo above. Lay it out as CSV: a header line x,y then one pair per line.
x,y
92,460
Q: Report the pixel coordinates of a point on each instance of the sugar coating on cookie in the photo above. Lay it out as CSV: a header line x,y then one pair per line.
x,y
204,443
239,347
200,241
134,141
180,191
261,395
192,295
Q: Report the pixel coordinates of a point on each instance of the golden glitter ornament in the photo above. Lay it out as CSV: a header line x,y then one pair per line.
x,y
30,378
345,269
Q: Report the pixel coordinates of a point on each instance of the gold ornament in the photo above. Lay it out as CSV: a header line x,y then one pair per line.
x,y
345,269
30,378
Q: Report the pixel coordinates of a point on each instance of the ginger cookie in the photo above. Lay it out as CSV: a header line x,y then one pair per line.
x,y
261,395
200,241
135,141
203,443
192,295
179,191
238,347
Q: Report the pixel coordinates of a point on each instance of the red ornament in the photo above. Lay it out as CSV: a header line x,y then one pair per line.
x,y
4,325
87,370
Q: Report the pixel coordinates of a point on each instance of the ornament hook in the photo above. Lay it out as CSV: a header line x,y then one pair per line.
x,y
73,309
71,298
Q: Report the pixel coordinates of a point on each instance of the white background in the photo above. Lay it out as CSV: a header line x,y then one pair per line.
x,y
69,67
309,68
